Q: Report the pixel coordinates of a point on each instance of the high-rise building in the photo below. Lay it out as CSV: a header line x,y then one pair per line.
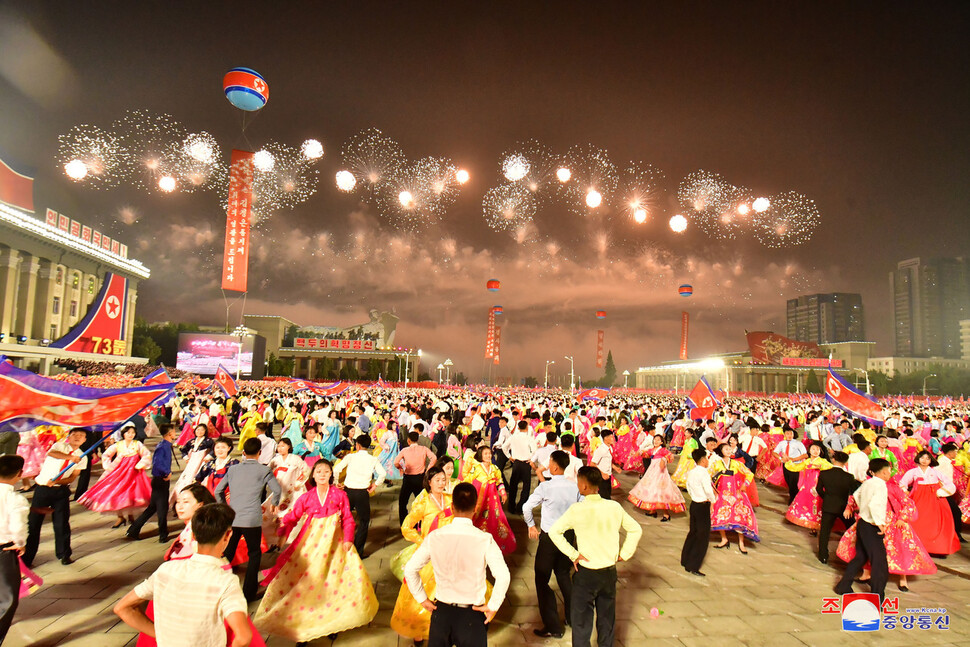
x,y
826,318
930,297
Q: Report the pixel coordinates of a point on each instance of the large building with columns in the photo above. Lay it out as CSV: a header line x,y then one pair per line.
x,y
51,271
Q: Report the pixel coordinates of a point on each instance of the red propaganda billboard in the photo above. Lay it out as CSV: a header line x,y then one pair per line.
x,y
16,189
334,344
811,362
769,348
498,344
490,335
684,321
599,348
102,330
235,260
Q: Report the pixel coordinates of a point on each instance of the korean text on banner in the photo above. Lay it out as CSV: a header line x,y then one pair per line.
x,y
235,260
599,348
684,322
498,344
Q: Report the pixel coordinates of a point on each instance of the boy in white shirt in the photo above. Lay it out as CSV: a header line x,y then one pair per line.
x,y
13,537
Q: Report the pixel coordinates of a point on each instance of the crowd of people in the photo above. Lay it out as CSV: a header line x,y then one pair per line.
x,y
288,472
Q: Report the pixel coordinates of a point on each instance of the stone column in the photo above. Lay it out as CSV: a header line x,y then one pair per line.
x,y
26,294
130,316
9,258
43,300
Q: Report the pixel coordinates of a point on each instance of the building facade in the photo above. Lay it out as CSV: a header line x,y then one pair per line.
x,y
826,318
930,297
965,338
907,365
51,272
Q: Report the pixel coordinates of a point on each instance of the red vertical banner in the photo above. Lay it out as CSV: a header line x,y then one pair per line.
x,y
235,260
684,321
498,343
490,336
599,348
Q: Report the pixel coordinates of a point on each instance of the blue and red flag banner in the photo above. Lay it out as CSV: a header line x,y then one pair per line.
x,y
381,384
702,400
841,393
158,376
28,400
593,394
224,379
329,391
102,330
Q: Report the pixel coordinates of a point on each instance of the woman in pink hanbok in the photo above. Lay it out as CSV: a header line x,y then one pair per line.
x,y
771,463
806,509
905,552
934,524
124,487
318,586
656,490
625,445
291,472
489,513
732,509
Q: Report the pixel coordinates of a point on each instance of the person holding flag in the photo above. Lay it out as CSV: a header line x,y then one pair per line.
x,y
61,467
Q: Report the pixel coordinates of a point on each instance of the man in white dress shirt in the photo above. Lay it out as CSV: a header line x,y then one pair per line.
x,y
459,554
790,450
603,460
872,497
520,447
13,537
361,466
858,463
702,495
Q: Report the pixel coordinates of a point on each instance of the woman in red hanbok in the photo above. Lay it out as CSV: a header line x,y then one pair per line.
x,y
195,451
771,461
905,552
489,513
732,509
806,509
124,487
934,525
656,490
213,470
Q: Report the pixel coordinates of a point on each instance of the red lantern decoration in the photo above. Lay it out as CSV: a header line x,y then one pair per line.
x,y
601,314
493,285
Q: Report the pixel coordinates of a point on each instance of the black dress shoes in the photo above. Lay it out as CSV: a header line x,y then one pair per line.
x,y
697,573
67,561
545,633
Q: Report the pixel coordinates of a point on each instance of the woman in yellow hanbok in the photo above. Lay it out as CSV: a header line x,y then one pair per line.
x,y
686,463
489,513
248,422
430,510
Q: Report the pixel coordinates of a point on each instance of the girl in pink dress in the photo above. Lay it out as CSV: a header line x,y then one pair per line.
x,y
806,509
124,487
656,490
318,586
905,552
732,509
934,525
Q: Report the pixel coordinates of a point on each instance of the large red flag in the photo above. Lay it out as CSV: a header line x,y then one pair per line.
x,y
28,400
702,400
235,260
224,379
854,402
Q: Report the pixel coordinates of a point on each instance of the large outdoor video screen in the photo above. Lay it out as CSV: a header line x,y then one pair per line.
x,y
201,353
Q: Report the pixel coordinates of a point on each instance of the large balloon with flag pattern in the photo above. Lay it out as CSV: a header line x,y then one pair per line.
x,y
497,310
245,88
685,290
601,314
493,285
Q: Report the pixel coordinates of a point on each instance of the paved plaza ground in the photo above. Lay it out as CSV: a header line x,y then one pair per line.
x,y
772,597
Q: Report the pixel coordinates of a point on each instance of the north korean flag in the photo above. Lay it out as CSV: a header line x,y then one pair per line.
x,y
224,379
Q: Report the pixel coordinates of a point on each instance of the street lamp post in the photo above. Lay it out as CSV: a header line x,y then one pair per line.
x,y
545,381
626,376
441,367
924,382
448,364
572,374
239,332
866,374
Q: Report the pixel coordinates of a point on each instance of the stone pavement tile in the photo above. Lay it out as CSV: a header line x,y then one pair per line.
x,y
33,607
93,640
679,610
718,625
771,640
724,640
84,590
664,627
774,623
833,638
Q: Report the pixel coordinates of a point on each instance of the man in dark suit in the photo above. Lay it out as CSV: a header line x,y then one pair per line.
x,y
834,486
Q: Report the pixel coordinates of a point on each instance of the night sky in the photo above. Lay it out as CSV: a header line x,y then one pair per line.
x,y
863,109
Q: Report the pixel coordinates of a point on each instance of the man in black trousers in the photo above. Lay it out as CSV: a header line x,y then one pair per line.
x,y
872,498
92,438
834,486
519,447
161,473
701,493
